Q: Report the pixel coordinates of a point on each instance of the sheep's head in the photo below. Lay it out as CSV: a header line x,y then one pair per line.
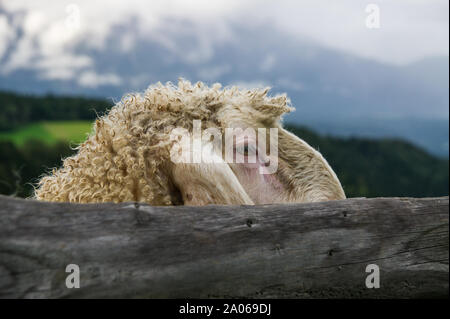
x,y
239,153
130,155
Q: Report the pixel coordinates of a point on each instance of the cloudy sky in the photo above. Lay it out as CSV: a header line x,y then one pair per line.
x,y
44,35
351,61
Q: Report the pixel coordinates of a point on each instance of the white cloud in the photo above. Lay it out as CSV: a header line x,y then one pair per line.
x,y
92,80
65,61
34,22
62,67
7,34
47,35
251,84
213,73
268,62
45,44
410,29
58,74
21,57
287,84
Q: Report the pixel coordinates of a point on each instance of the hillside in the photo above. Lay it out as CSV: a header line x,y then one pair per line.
x,y
49,132
380,167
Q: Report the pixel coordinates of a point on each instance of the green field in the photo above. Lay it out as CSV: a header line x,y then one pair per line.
x,y
49,132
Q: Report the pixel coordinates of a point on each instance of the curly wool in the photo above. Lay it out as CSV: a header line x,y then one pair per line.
x,y
125,157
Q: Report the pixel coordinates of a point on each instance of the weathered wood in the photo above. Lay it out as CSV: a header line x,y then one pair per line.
x,y
282,251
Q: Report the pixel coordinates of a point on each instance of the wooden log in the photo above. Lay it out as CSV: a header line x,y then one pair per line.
x,y
312,250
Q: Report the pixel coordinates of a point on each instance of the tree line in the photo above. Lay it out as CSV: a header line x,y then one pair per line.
x,y
17,110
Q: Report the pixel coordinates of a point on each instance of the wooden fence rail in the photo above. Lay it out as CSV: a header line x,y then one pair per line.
x,y
313,250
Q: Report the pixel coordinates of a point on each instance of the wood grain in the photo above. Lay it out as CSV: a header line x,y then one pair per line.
x,y
313,250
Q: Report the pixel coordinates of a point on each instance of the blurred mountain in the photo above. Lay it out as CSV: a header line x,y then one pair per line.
x,y
333,92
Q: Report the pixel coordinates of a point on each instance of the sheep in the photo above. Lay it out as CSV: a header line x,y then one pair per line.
x,y
127,157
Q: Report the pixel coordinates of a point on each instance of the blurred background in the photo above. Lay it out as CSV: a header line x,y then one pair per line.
x,y
369,80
